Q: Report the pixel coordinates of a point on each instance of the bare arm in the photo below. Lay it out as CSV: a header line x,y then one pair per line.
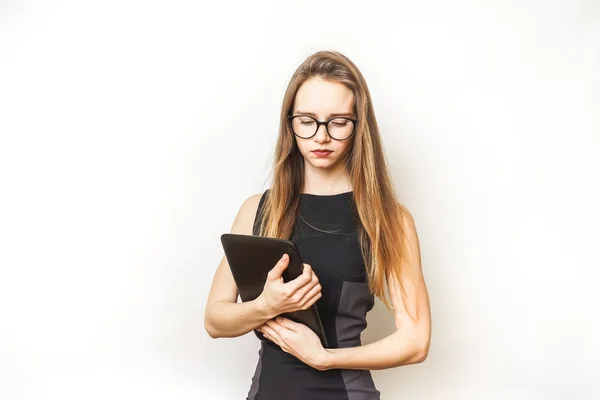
x,y
409,344
223,316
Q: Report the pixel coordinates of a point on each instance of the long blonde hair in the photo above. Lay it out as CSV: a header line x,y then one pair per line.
x,y
380,228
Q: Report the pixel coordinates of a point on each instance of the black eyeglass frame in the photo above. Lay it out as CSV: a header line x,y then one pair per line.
x,y
319,123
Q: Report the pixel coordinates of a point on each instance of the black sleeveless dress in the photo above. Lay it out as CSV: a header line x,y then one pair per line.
x,y
346,299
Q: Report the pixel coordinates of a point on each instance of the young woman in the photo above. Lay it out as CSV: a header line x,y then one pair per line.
x,y
331,195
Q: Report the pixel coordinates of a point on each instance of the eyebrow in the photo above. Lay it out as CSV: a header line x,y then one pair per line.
x,y
349,115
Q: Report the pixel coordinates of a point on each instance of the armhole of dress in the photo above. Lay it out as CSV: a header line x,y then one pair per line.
x,y
257,217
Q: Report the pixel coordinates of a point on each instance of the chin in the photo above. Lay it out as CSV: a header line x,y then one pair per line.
x,y
322,163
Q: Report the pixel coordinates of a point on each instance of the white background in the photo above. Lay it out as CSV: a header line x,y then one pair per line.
x,y
131,132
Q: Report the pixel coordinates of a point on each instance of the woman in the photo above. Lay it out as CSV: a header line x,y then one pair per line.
x,y
331,195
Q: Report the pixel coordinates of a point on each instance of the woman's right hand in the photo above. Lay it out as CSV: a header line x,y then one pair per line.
x,y
300,293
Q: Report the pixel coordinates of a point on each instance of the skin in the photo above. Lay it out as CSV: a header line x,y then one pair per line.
x,y
225,317
322,98
409,344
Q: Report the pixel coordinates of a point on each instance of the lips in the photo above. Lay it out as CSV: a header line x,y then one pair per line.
x,y
322,153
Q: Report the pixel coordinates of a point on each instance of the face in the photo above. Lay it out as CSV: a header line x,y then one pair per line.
x,y
324,100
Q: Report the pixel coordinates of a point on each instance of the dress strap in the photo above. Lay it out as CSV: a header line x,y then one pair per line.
x,y
259,210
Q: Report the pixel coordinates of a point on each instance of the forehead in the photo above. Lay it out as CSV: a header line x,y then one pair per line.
x,y
324,98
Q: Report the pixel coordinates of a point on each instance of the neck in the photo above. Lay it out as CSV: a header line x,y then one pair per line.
x,y
326,181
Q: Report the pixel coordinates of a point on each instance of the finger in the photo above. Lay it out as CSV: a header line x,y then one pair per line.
x,y
314,279
307,269
307,274
312,300
300,281
267,336
277,270
311,292
261,329
300,293
273,335
277,327
287,323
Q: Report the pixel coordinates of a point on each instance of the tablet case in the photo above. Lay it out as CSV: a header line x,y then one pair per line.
x,y
251,258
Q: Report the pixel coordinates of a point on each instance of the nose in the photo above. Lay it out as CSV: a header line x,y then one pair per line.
x,y
321,136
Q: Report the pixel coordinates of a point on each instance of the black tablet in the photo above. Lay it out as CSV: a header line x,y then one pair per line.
x,y
251,258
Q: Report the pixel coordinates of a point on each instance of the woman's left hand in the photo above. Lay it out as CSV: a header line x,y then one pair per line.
x,y
296,339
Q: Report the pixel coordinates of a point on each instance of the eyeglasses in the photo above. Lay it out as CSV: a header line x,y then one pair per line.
x,y
338,128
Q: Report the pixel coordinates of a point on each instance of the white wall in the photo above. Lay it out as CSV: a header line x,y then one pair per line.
x,y
133,130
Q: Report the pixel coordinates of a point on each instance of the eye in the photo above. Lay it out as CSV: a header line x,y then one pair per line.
x,y
340,122
306,121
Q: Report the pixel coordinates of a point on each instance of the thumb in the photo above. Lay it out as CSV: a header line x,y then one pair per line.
x,y
277,270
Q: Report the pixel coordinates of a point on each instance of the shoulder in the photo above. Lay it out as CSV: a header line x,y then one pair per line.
x,y
252,201
244,220
406,218
409,232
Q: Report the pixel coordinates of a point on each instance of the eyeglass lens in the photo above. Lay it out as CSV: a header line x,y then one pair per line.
x,y
338,128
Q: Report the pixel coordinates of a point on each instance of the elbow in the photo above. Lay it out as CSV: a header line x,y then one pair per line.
x,y
417,355
422,341
211,332
419,347
414,353
209,328
422,348
421,354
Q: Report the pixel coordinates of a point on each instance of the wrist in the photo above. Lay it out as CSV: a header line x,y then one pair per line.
x,y
325,361
264,309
